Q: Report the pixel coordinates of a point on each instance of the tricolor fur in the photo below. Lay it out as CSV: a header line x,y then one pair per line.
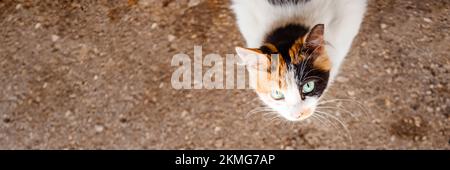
x,y
291,43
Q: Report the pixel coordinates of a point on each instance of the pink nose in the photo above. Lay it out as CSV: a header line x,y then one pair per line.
x,y
303,114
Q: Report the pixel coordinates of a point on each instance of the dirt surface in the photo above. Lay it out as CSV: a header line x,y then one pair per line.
x,y
79,74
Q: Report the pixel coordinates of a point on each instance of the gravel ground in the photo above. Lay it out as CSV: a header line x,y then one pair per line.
x,y
82,74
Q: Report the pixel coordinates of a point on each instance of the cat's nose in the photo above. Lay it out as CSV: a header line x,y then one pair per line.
x,y
303,114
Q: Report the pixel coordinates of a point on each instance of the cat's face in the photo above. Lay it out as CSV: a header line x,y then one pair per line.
x,y
291,85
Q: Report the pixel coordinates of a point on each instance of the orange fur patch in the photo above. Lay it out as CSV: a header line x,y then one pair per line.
x,y
271,47
294,51
272,79
322,62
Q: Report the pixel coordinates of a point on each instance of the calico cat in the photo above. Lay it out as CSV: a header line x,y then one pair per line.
x,y
295,48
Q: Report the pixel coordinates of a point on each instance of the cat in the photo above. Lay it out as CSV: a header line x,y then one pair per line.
x,y
295,48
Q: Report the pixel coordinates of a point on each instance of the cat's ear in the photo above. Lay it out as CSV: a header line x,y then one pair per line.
x,y
252,58
315,39
315,46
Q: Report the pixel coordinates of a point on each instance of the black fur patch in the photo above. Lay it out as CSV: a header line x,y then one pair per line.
x,y
283,38
287,2
266,50
310,73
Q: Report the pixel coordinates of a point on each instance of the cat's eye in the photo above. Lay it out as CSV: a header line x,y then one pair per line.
x,y
308,87
277,95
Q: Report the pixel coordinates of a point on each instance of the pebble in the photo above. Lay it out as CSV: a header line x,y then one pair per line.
x,y
417,121
171,37
424,138
387,102
427,20
55,38
193,3
99,128
154,25
389,71
68,113
37,26
154,99
407,121
365,66
438,109
383,26
184,113
392,138
217,129
351,93
18,6
376,121
289,148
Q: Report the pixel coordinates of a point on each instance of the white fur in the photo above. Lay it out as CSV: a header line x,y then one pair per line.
x,y
292,108
342,19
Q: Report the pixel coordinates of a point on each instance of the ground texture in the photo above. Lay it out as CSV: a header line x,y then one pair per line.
x,y
77,74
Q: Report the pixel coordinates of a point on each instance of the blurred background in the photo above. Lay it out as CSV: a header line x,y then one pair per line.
x,y
82,74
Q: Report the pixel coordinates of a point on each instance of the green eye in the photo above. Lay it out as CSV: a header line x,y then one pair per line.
x,y
277,95
308,87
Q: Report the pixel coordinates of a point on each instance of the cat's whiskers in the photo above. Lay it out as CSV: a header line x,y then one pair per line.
x,y
308,57
326,120
327,43
339,121
307,73
257,110
267,114
264,110
304,64
340,109
275,117
261,107
285,124
316,77
359,104
291,124
255,99
314,117
320,119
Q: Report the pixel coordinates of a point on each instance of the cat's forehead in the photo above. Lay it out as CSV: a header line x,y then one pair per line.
x,y
297,57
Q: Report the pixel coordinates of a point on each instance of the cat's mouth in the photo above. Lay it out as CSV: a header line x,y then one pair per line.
x,y
300,116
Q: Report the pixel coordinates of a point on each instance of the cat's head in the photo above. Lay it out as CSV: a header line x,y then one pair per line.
x,y
290,81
